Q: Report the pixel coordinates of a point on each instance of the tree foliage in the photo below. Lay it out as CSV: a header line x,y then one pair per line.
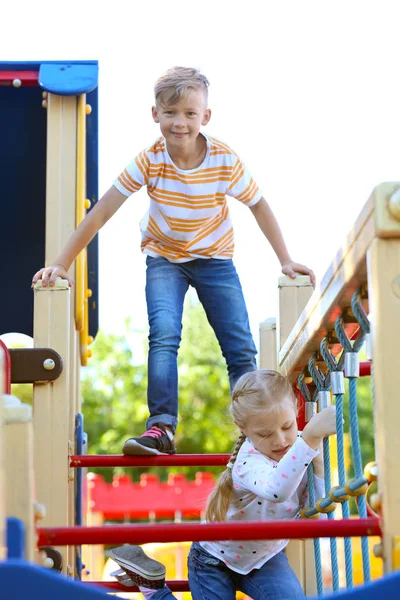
x,y
115,401
114,390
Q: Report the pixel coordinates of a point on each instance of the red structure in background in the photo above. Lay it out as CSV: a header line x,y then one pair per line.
x,y
7,368
124,499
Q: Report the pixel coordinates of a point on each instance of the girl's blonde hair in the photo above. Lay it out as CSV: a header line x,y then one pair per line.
x,y
176,83
260,391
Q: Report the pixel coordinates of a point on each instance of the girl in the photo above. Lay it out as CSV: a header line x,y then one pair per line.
x,y
265,479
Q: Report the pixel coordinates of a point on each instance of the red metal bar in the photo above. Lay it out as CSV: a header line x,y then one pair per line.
x,y
365,369
181,532
174,586
27,78
170,460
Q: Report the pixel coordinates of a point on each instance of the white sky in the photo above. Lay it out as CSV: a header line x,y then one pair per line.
x,y
306,92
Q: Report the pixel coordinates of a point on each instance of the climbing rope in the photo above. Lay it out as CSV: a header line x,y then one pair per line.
x,y
310,409
322,384
337,384
352,371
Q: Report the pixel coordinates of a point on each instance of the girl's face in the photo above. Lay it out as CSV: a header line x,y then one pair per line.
x,y
275,433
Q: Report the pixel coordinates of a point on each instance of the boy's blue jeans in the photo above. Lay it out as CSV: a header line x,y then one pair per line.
x,y
211,579
219,290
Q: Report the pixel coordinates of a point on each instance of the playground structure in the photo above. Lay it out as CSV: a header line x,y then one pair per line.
x,y
316,337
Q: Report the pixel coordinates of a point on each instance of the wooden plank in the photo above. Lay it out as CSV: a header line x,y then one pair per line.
x,y
268,349
60,224
384,295
344,276
52,408
20,498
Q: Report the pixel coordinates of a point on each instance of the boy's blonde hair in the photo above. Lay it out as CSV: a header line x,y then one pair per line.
x,y
177,83
261,391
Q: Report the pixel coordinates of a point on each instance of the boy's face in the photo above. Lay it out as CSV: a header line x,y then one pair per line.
x,y
180,123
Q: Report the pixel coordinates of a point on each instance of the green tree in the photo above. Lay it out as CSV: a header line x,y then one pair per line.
x,y
115,401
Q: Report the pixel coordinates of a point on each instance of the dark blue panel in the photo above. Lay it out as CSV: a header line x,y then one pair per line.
x,y
34,65
22,202
67,78
92,187
23,198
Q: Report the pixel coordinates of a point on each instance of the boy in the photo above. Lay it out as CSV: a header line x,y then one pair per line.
x,y
187,236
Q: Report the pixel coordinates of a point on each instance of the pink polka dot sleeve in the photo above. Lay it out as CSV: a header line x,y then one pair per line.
x,y
276,482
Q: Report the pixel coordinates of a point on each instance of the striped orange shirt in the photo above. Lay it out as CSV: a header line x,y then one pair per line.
x,y
188,216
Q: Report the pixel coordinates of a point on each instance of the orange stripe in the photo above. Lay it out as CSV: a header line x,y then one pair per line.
x,y
237,176
214,224
222,243
217,169
221,146
248,193
220,246
127,182
193,181
163,251
180,195
158,234
197,206
142,163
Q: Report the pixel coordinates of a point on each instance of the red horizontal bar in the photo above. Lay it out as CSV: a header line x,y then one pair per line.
x,y
182,532
168,460
174,586
27,78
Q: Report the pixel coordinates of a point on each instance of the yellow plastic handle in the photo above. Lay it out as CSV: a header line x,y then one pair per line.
x,y
80,210
82,293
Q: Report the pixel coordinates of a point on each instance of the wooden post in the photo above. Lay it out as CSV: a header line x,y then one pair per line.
x,y
58,328
384,304
20,494
268,353
3,483
52,407
293,297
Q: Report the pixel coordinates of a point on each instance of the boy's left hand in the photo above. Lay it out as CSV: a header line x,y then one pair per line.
x,y
291,268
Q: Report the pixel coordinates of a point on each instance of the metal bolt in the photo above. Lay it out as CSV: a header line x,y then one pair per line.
x,y
49,364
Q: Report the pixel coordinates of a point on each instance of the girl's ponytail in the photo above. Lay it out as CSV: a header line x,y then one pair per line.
x,y
219,500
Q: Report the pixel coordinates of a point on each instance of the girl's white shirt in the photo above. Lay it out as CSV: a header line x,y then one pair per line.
x,y
265,490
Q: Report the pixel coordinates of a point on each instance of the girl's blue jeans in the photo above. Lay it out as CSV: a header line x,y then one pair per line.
x,y
211,579
219,291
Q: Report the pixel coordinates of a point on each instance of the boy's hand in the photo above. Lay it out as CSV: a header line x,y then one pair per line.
x,y
48,275
291,268
320,426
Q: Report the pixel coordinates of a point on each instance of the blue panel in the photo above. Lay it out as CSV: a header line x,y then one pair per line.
x,y
68,79
22,202
20,580
92,191
387,588
23,198
15,538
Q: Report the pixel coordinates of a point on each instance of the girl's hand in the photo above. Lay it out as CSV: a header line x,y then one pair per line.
x,y
291,268
321,425
48,275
